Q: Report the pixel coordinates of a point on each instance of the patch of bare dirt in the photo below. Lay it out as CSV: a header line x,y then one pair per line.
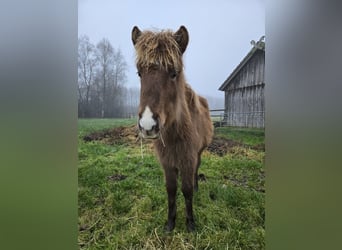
x,y
119,135
117,177
129,135
259,147
221,146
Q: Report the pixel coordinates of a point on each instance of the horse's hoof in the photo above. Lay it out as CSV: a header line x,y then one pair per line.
x,y
169,227
190,225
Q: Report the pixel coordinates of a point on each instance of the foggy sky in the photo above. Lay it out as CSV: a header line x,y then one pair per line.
x,y
220,33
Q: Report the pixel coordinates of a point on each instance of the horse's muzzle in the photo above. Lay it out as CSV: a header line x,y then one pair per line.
x,y
152,133
148,124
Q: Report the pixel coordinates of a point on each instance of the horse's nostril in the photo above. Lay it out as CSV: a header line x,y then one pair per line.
x,y
155,127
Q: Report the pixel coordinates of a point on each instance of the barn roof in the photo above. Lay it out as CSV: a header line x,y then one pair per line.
x,y
260,45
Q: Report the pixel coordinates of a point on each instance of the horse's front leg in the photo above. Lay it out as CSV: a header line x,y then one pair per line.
x,y
171,188
187,190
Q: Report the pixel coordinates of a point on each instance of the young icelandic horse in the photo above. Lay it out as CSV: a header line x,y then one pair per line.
x,y
171,113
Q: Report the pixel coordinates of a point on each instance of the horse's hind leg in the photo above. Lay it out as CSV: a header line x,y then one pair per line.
x,y
171,188
196,170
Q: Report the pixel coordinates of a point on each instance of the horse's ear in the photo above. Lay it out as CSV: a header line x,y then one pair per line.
x,y
182,38
135,34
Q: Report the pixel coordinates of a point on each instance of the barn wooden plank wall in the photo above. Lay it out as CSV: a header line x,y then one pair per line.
x,y
244,95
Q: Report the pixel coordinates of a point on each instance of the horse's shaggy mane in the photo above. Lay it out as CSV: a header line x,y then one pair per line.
x,y
158,49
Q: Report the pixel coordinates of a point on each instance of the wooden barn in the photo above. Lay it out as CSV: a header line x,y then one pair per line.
x,y
244,90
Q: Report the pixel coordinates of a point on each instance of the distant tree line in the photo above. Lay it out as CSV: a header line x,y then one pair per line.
x,y
101,81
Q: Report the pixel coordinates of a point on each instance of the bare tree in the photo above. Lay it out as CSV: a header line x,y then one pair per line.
x,y
101,78
112,72
86,64
132,101
119,79
105,52
119,68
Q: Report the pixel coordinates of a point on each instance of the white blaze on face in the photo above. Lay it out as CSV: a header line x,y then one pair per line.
x,y
147,121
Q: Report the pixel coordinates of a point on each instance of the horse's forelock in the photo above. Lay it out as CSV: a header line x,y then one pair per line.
x,y
158,49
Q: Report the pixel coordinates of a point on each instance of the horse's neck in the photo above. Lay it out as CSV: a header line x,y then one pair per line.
x,y
180,127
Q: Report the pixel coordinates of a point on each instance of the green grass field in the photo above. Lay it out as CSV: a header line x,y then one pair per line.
x,y
123,203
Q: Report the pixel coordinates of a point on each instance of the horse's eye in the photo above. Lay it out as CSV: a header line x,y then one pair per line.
x,y
173,74
139,74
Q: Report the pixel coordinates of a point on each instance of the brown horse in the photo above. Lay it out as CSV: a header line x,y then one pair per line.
x,y
171,113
